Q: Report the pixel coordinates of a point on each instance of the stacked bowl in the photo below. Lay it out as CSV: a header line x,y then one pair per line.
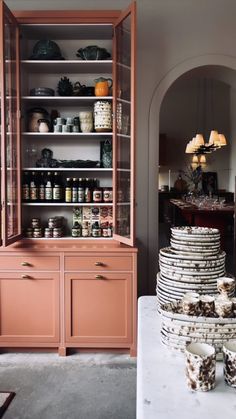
x,y
192,263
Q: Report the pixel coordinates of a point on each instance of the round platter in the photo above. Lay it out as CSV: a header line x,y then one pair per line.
x,y
191,282
192,271
194,242
186,230
193,238
194,247
190,263
168,252
201,253
185,287
190,278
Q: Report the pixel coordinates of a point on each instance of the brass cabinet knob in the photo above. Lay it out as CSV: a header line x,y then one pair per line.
x,y
99,277
25,276
99,264
25,264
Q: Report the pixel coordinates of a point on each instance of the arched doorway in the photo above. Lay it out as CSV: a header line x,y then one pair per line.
x,y
222,63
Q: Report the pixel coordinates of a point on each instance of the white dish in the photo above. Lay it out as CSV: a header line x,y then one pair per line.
x,y
195,253
194,243
190,278
188,230
168,252
187,287
192,271
198,239
193,264
195,247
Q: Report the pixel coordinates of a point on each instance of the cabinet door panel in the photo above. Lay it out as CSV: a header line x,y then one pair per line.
x,y
29,307
10,127
124,109
98,308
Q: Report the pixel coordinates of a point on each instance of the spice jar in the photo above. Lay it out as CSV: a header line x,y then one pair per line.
x,y
37,233
57,232
35,222
97,194
107,194
48,233
105,230
29,233
55,222
96,230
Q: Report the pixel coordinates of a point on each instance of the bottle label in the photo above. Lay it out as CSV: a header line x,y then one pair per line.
x,y
41,193
74,195
88,195
33,193
80,194
96,232
26,192
68,195
48,193
57,193
97,196
85,232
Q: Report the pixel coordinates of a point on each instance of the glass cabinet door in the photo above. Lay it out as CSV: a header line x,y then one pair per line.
x,y
124,111
10,128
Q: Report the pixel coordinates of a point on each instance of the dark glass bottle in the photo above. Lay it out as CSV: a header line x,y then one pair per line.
x,y
96,230
42,187
87,191
34,190
26,186
49,187
81,190
57,191
76,230
75,185
68,190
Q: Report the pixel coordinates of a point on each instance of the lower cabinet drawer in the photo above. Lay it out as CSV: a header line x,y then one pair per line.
x,y
98,308
98,263
41,263
29,307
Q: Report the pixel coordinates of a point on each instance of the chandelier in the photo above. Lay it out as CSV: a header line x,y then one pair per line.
x,y
198,146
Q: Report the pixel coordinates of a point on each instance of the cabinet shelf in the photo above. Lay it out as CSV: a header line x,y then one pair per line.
x,y
67,169
67,204
127,67
123,101
65,100
71,66
67,134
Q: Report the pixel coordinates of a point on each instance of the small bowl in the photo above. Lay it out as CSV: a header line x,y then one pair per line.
x,y
42,91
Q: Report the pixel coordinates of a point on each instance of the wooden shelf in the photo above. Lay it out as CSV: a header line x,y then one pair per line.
x,y
71,66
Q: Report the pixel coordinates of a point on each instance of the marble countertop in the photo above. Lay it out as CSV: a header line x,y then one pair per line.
x,y
162,392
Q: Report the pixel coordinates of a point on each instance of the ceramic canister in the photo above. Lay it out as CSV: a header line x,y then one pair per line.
x,y
200,366
229,355
226,285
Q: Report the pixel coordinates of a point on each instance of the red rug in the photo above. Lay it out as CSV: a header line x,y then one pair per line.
x,y
5,399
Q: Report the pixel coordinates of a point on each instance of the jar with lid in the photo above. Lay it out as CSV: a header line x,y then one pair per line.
x,y
96,230
54,222
97,194
107,194
48,233
37,233
29,233
105,230
57,232
76,230
35,222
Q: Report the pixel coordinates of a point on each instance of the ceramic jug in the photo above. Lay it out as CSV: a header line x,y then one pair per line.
x,y
34,115
102,86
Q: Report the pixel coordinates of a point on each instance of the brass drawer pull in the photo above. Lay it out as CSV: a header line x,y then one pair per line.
x,y
99,277
99,264
25,264
25,276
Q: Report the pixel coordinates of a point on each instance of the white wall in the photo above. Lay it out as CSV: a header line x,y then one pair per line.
x,y
173,37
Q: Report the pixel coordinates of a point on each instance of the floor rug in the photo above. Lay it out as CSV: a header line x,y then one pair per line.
x,y
5,399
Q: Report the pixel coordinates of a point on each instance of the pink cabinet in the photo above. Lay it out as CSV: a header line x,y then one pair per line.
x,y
29,307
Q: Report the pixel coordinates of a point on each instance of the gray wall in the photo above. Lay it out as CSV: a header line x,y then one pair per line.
x,y
173,37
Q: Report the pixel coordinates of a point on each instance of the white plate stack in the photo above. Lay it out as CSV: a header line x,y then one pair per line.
x,y
192,263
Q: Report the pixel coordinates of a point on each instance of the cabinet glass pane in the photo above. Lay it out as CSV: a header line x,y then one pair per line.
x,y
123,128
11,129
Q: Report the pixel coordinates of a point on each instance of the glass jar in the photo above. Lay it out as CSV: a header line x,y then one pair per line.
x,y
37,233
97,194
48,233
57,232
35,222
107,194
29,233
85,229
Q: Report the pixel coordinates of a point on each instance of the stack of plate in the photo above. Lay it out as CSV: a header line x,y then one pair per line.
x,y
192,263
178,330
